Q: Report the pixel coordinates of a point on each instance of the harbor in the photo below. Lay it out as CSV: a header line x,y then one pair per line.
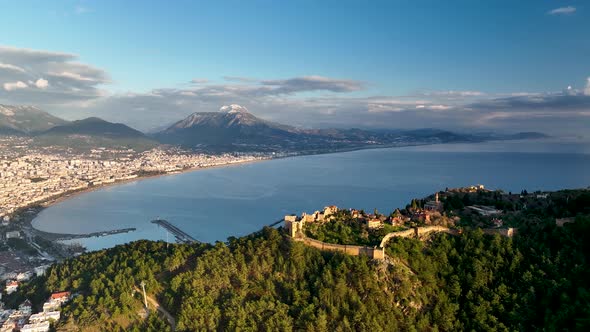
x,y
181,236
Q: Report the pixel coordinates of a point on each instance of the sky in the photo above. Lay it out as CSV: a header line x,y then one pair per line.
x,y
461,65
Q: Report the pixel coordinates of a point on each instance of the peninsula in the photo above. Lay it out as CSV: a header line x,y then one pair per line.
x,y
447,261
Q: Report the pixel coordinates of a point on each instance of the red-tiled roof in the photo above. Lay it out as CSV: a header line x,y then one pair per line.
x,y
60,295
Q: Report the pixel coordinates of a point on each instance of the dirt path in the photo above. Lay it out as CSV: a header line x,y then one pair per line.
x,y
160,309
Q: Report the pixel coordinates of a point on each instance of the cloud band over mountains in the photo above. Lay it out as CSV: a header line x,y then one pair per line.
x,y
59,83
47,78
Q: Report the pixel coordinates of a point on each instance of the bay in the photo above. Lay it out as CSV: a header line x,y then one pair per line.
x,y
214,204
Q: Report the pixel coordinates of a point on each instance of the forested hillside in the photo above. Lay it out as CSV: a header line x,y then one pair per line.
x,y
539,279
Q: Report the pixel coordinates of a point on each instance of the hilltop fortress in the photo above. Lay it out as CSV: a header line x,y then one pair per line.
x,y
419,220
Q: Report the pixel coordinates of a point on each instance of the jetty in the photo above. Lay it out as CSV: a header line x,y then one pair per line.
x,y
62,237
276,223
181,236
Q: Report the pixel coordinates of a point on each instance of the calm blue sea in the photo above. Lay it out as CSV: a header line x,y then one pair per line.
x,y
213,204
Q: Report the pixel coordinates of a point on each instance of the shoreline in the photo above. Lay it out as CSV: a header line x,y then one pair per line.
x,y
28,215
40,206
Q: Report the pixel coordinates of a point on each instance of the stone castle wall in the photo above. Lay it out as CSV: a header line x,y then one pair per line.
x,y
417,233
374,253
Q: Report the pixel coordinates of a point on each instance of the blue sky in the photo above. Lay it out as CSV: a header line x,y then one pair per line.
x,y
386,53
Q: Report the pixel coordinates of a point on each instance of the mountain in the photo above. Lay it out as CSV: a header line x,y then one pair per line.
x,y
24,120
95,132
233,128
95,127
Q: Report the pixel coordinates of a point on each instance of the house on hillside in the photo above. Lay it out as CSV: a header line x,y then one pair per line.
x,y
398,219
44,316
374,223
11,286
61,297
36,327
421,216
26,307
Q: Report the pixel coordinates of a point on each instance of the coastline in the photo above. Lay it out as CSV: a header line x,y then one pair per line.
x,y
30,212
40,206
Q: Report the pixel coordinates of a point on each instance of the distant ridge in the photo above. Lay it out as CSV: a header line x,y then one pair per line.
x,y
25,120
94,132
234,128
94,126
231,129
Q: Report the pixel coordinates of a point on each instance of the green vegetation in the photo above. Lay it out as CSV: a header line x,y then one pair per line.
x,y
344,229
538,280
144,173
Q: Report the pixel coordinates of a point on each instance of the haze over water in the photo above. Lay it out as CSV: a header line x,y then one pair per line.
x,y
213,204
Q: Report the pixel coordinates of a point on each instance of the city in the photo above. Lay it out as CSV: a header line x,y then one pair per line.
x,y
29,175
309,166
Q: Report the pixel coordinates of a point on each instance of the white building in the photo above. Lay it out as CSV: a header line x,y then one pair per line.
x,y
24,276
13,235
44,316
37,327
40,270
51,306
11,286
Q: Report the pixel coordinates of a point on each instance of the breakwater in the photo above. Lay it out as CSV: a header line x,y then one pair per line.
x,y
61,237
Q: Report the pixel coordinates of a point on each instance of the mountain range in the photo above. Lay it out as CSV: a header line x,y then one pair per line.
x,y
24,120
233,128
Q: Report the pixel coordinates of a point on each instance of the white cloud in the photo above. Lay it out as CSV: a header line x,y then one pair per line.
x,y
439,107
313,83
563,11
11,67
199,81
57,78
453,93
10,86
59,82
42,83
73,76
239,79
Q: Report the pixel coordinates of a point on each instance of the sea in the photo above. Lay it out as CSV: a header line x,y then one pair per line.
x,y
216,203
